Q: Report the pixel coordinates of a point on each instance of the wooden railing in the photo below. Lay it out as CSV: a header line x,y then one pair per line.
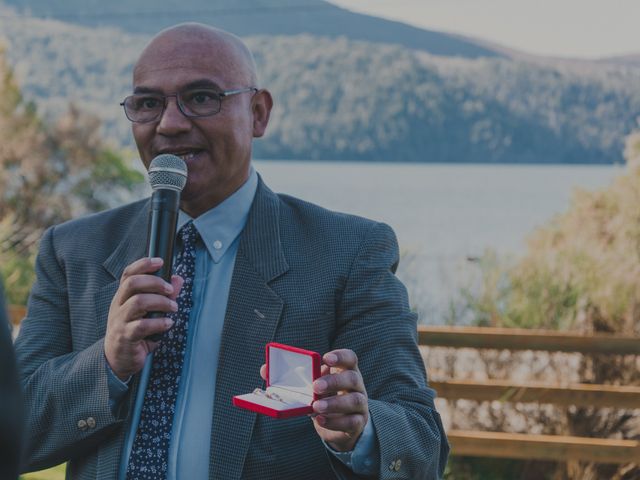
x,y
526,446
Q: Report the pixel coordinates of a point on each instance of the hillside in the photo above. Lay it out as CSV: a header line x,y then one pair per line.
x,y
251,17
625,60
340,99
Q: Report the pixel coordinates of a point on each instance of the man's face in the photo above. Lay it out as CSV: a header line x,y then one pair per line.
x,y
216,149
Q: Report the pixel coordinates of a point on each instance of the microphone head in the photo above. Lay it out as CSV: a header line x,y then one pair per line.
x,y
168,171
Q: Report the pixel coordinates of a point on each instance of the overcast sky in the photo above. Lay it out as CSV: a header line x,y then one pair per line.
x,y
570,28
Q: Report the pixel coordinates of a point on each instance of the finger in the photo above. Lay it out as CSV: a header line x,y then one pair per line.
x,y
325,370
143,265
263,371
176,283
342,358
352,425
141,328
351,403
143,283
348,380
139,305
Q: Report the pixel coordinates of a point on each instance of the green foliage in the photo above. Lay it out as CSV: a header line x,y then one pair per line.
x,y
108,166
580,271
55,473
49,173
19,274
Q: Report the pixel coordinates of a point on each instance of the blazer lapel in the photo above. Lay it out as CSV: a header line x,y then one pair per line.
x,y
131,248
253,313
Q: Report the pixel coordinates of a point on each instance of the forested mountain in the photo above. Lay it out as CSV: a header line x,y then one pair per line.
x,y
342,99
625,60
251,17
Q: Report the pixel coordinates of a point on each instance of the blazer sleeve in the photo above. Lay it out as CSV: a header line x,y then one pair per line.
x,y
66,397
376,322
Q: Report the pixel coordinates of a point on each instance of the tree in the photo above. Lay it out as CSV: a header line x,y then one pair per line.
x,y
49,173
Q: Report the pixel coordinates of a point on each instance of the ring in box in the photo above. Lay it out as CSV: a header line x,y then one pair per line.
x,y
290,375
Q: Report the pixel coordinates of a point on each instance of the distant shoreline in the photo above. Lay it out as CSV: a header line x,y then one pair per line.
x,y
620,164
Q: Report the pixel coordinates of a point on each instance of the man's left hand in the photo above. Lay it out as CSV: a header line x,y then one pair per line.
x,y
342,410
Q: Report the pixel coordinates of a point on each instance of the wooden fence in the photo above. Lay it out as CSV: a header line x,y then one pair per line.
x,y
527,446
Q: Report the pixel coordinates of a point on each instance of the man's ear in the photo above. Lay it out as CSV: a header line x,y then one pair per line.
x,y
261,109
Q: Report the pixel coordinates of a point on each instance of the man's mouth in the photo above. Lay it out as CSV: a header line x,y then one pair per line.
x,y
186,155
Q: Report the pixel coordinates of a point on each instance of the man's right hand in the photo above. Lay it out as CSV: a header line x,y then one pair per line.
x,y
139,292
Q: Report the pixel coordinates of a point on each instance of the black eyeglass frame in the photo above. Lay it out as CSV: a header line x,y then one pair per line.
x,y
181,107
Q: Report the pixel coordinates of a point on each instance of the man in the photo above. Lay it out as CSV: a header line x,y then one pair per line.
x,y
10,401
253,267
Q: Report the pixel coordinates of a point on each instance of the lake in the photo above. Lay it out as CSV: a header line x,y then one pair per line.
x,y
443,215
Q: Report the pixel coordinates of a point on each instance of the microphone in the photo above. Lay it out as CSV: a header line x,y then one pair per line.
x,y
167,176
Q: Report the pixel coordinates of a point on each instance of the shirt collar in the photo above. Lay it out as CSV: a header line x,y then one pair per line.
x,y
221,225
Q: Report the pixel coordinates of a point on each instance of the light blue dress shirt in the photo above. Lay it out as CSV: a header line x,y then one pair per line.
x,y
219,229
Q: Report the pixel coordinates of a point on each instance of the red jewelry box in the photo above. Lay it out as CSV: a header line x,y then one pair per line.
x,y
290,375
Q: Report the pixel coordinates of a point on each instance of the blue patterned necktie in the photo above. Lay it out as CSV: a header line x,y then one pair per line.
x,y
149,453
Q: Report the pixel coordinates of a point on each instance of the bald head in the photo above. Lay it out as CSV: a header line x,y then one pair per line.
x,y
226,49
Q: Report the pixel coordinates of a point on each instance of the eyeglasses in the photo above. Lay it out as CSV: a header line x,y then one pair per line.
x,y
196,102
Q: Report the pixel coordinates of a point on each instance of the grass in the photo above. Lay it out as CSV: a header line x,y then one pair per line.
x,y
55,473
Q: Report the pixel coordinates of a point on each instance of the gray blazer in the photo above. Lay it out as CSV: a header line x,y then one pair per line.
x,y
320,280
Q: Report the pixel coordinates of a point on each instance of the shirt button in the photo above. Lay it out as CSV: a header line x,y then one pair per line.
x,y
392,466
217,244
398,465
91,422
82,425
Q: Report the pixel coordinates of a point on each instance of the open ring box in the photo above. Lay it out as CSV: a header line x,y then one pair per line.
x,y
290,375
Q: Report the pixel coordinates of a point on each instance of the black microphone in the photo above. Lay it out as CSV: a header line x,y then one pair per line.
x,y
167,176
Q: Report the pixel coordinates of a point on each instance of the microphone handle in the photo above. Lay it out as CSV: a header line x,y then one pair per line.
x,y
163,218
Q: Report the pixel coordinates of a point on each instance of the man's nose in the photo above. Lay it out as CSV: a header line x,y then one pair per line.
x,y
173,121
